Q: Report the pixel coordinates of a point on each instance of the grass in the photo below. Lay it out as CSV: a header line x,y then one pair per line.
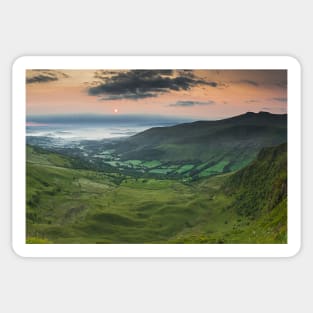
x,y
185,168
151,164
67,205
217,168
134,163
88,208
160,171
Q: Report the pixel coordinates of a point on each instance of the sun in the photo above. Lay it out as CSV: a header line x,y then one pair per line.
x,y
115,110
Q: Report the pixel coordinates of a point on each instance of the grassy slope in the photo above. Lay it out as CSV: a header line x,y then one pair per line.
x,y
66,205
260,192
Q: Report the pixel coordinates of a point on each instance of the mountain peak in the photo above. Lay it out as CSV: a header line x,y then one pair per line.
x,y
264,113
260,113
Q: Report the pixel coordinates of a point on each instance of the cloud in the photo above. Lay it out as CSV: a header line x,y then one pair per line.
x,y
281,109
44,76
252,101
279,99
248,82
190,103
129,96
282,83
41,79
137,84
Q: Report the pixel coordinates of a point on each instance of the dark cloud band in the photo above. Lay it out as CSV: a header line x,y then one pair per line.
x,y
41,79
191,103
129,96
138,84
280,99
44,76
248,82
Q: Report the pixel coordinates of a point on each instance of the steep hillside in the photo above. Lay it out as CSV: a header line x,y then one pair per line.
x,y
256,207
260,193
262,185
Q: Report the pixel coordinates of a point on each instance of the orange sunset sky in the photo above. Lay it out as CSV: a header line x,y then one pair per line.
x,y
205,94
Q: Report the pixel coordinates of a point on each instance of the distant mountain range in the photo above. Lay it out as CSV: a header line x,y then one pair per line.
x,y
235,141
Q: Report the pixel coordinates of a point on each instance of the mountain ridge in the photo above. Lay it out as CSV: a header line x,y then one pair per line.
x,y
235,141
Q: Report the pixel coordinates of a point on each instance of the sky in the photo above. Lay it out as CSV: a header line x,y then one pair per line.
x,y
206,94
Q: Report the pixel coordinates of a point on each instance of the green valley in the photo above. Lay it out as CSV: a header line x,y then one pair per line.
x,y
67,203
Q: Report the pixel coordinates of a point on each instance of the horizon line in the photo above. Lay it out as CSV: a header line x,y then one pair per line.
x,y
142,115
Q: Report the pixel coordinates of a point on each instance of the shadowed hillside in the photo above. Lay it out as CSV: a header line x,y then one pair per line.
x,y
232,142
